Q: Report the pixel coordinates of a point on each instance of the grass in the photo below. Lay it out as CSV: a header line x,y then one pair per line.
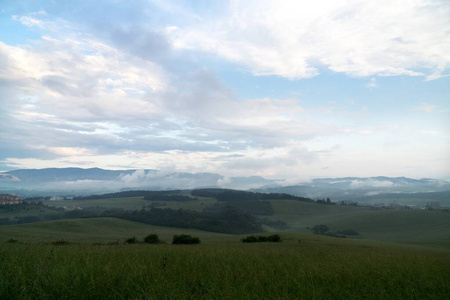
x,y
315,268
131,203
96,230
422,227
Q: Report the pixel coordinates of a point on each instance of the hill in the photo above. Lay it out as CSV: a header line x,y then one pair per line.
x,y
95,230
426,227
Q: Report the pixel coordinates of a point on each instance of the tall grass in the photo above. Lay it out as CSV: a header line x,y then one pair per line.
x,y
290,270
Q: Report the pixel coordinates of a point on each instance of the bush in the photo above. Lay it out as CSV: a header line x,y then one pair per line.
x,y
185,239
275,238
348,232
12,241
60,242
320,229
152,239
250,239
131,240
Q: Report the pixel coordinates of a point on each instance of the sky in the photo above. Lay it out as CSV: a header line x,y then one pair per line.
x,y
288,90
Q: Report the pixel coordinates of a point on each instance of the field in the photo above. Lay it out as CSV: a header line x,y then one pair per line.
x,y
398,254
300,267
93,230
420,227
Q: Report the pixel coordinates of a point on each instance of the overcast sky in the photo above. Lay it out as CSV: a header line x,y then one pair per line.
x,y
281,89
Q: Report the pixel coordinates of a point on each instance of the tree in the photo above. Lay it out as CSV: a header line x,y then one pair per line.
x,y
185,239
320,229
152,239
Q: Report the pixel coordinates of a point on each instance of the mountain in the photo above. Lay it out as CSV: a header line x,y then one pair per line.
x,y
80,181
380,189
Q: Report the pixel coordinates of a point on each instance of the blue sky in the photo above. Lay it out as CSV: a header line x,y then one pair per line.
x,y
285,90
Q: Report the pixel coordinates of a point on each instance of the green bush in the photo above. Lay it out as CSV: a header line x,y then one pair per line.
x,y
185,239
250,239
131,240
60,242
12,241
274,238
152,239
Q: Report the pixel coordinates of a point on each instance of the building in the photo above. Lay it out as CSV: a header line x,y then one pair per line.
x,y
10,199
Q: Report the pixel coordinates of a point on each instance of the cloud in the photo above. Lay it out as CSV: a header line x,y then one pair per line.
x,y
426,107
372,83
355,184
358,38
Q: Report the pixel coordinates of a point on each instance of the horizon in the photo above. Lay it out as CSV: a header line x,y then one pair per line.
x,y
280,180
290,92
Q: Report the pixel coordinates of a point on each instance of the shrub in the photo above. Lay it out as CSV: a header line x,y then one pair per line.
x,y
12,241
250,239
274,238
348,232
131,240
261,239
152,239
320,229
60,242
185,239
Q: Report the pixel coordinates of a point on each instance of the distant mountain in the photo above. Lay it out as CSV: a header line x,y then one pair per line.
x,y
65,174
78,181
378,189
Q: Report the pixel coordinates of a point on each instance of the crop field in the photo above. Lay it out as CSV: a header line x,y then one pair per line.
x,y
300,267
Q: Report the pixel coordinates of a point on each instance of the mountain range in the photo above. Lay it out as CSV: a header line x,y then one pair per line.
x,y
78,181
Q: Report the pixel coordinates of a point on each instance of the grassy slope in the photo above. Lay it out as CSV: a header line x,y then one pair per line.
x,y
317,267
430,228
125,203
132,203
95,230
405,226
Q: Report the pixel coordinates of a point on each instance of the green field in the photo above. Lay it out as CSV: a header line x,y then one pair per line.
x,y
102,230
422,227
300,267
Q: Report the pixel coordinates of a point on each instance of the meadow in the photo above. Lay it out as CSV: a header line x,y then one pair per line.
x,y
300,267
398,254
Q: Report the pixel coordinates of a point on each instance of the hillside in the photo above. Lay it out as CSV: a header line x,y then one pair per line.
x,y
95,230
392,225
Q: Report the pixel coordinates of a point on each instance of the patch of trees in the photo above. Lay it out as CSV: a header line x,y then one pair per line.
x,y
228,220
22,206
224,195
261,208
325,201
129,194
149,239
324,230
185,239
179,198
274,238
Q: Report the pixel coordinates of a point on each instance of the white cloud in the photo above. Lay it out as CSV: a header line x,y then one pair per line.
x,y
29,21
372,83
426,107
355,184
360,38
